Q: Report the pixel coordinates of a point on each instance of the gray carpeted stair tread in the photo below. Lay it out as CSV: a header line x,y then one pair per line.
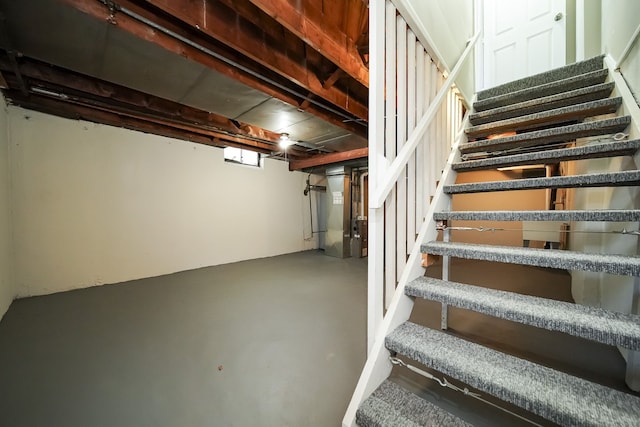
x,y
577,96
552,258
560,73
549,136
592,323
604,215
556,396
529,93
393,406
577,112
600,150
611,179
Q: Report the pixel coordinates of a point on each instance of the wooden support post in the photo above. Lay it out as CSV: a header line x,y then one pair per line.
x,y
401,137
375,262
389,155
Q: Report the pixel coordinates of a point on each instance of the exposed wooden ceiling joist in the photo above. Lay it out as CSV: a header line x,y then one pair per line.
x,y
92,112
78,112
76,95
321,36
100,11
11,54
327,159
309,54
228,26
39,72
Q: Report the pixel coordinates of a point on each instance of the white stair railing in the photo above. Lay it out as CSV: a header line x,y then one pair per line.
x,y
415,117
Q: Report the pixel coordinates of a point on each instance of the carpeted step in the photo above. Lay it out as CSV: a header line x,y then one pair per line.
x,y
592,323
554,395
605,149
604,215
548,136
393,406
570,113
552,258
611,179
560,73
577,96
544,89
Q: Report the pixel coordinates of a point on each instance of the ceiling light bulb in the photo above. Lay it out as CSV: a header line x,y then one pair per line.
x,y
285,141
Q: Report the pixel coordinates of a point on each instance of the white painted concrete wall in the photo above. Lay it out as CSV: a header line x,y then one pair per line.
x,y
6,284
619,19
571,31
450,24
588,34
95,204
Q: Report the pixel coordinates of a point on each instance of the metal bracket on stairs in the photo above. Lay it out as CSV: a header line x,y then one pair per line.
x,y
445,383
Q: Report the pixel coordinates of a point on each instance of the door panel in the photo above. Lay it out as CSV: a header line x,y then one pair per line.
x,y
504,21
502,59
538,8
539,57
522,37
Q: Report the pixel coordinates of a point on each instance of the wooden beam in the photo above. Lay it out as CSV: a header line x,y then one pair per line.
x,y
222,23
326,159
84,106
37,71
76,112
79,111
333,78
304,105
99,11
6,43
78,94
332,43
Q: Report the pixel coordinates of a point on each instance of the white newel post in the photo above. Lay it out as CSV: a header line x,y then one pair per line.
x,y
375,270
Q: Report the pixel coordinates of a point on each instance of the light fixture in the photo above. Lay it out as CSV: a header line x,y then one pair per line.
x,y
285,141
520,168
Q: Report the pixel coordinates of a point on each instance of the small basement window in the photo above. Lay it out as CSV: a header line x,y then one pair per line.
x,y
241,156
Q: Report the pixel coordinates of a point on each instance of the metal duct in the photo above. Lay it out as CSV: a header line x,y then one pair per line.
x,y
338,236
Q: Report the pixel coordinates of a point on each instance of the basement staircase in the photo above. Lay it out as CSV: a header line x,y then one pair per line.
x,y
562,115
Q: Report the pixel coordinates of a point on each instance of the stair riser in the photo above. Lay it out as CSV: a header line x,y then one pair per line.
x,y
568,71
548,136
577,96
620,179
624,266
562,115
607,149
585,322
559,397
391,405
550,89
600,215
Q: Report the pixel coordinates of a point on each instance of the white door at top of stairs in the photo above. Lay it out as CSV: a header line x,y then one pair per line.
x,y
522,38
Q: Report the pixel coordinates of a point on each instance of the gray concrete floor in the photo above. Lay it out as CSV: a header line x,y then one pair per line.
x,y
269,342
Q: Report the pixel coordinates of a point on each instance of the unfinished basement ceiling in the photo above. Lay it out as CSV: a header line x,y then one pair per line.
x,y
218,72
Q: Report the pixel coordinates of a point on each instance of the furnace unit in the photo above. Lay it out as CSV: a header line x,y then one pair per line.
x,y
338,236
